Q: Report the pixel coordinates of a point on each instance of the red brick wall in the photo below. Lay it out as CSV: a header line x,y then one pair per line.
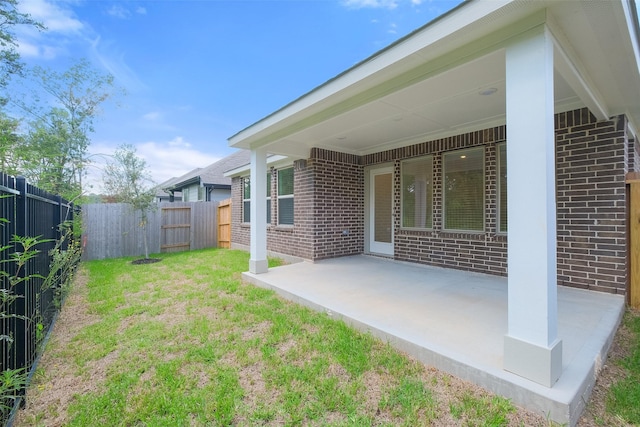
x,y
240,233
294,240
591,157
484,252
338,204
328,209
591,201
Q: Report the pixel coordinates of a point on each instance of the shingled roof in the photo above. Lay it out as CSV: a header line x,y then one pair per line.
x,y
213,175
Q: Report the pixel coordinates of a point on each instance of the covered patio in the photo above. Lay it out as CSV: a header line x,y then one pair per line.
x,y
455,321
555,86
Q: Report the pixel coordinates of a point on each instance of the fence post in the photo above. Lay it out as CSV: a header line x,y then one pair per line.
x,y
57,217
7,231
19,345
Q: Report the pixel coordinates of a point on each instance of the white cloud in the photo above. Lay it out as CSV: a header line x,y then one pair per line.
x,y
164,160
121,12
113,60
52,15
392,28
117,11
179,142
375,4
169,159
65,32
30,50
152,116
416,2
61,25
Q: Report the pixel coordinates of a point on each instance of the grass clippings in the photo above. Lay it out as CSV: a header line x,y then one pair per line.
x,y
186,343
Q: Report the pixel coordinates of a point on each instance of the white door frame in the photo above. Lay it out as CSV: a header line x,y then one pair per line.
x,y
382,248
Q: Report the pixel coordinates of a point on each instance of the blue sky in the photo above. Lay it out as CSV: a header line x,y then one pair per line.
x,y
197,72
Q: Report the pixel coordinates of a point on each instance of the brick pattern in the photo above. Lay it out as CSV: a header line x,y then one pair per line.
x,y
294,240
328,209
635,164
484,252
239,231
591,157
338,204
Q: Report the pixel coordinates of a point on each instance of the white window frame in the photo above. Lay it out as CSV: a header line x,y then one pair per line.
x,y
286,196
269,198
461,153
429,203
246,200
499,187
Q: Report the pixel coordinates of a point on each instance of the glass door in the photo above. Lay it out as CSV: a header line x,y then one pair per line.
x,y
381,211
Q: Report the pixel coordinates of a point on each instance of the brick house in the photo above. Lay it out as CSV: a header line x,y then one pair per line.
x,y
496,137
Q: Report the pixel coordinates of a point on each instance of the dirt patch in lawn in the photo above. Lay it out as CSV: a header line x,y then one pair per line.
x,y
57,383
145,261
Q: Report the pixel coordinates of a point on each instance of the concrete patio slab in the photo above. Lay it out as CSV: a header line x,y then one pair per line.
x,y
455,321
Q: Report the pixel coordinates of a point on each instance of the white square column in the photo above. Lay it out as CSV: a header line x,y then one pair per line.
x,y
258,214
531,347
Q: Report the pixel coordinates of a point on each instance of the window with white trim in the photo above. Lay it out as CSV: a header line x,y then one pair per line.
x,y
285,196
502,187
246,200
417,192
463,189
268,198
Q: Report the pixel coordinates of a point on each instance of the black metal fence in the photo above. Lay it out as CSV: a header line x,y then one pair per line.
x,y
28,212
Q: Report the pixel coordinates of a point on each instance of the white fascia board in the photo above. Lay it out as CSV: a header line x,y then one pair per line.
x,y
631,17
574,73
276,161
632,128
399,52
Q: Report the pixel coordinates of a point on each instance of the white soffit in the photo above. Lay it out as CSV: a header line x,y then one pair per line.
x,y
427,85
431,41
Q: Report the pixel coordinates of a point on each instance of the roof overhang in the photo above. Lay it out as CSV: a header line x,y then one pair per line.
x,y
448,78
185,183
216,186
273,161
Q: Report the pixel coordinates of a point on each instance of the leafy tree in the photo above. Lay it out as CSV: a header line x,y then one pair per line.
x,y
9,57
11,145
52,155
128,180
57,143
10,140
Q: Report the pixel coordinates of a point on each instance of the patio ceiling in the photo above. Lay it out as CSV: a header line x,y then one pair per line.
x,y
448,78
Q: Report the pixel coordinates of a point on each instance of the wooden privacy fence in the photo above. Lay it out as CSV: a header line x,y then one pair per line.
x,y
224,224
112,230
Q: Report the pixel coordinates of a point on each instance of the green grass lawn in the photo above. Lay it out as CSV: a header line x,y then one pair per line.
x,y
623,397
184,342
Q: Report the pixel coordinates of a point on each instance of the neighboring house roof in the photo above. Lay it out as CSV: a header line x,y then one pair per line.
x,y
184,180
213,175
430,84
160,189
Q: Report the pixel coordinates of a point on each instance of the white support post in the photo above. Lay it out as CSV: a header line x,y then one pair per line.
x,y
531,347
258,214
